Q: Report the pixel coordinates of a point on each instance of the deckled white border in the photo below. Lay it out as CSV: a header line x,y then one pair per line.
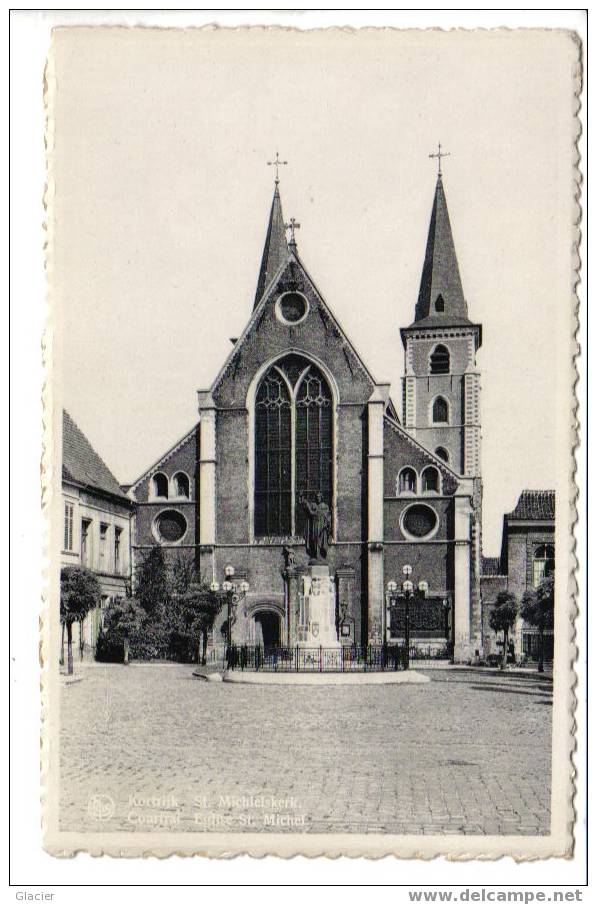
x,y
229,838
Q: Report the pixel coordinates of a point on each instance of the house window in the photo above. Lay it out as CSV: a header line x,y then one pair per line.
x,y
103,547
439,304
430,479
442,453
543,563
440,360
68,526
440,411
181,484
407,481
86,542
117,537
159,484
293,445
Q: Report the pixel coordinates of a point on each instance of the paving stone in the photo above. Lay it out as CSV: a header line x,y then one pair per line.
x,y
449,757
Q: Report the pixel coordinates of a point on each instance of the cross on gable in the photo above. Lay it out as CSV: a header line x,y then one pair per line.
x,y
292,226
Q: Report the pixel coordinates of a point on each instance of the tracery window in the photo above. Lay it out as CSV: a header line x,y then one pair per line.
x,y
293,445
543,563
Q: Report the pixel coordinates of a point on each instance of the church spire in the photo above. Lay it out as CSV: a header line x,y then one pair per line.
x,y
275,250
440,295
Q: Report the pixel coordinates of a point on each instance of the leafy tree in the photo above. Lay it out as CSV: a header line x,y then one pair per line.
x,y
152,586
80,592
123,620
537,608
502,617
199,606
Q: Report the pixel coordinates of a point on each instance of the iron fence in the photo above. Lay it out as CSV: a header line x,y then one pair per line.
x,y
372,658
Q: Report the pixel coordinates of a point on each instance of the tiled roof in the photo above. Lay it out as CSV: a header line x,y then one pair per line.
x,y
80,462
490,565
535,504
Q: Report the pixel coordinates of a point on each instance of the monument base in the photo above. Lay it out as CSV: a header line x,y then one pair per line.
x,y
317,608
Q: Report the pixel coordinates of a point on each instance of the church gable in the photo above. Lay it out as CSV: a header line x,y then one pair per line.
x,y
292,316
402,454
173,476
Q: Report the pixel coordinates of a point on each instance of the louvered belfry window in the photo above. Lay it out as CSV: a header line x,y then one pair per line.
x,y
293,445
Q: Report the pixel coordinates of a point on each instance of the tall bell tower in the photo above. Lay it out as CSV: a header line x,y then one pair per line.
x,y
441,383
441,405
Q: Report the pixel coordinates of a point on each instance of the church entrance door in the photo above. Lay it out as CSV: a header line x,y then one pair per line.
x,y
267,628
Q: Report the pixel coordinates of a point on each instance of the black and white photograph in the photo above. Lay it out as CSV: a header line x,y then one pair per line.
x,y
310,422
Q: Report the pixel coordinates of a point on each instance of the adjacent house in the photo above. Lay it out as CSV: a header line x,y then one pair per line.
x,y
96,531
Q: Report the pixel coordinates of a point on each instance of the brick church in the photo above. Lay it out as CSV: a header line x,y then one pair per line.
x,y
295,412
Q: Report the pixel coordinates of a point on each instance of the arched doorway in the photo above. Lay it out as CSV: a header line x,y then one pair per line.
x,y
267,628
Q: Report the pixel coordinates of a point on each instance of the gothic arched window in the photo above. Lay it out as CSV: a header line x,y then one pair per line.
x,y
313,441
294,416
440,360
543,563
440,411
272,456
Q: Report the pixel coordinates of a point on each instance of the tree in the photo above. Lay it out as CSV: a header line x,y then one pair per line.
x,y
152,587
199,606
537,609
122,621
502,617
80,592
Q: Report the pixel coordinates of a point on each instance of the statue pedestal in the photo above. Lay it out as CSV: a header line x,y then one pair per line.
x,y
317,608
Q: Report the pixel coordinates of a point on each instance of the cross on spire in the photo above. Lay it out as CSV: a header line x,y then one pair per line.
x,y
292,226
277,163
439,156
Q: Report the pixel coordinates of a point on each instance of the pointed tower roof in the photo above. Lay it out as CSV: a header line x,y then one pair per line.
x,y
275,251
440,280
441,301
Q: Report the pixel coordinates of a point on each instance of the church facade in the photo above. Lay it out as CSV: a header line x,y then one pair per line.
x,y
295,413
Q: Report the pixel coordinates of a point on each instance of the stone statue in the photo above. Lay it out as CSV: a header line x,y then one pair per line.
x,y
318,523
288,554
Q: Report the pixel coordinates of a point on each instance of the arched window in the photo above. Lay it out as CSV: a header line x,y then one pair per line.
x,y
181,484
159,483
440,360
439,303
430,480
407,481
543,563
272,456
440,411
442,453
293,445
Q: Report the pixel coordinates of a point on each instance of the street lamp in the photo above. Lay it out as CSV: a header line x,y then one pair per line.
x,y
234,591
408,591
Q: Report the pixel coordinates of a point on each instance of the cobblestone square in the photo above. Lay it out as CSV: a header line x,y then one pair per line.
x,y
150,747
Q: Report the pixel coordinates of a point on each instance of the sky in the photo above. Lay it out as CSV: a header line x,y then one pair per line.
x,y
161,193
